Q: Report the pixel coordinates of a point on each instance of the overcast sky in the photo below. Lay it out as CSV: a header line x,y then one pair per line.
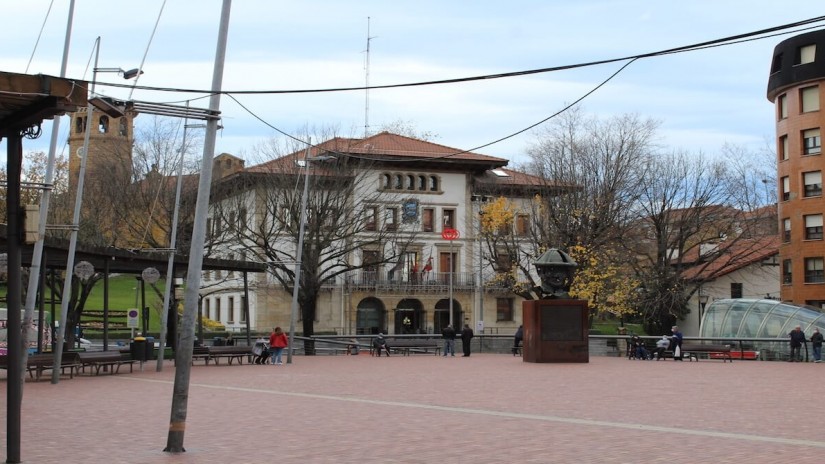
x,y
703,99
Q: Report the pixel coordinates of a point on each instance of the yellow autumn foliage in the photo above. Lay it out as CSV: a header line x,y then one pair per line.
x,y
602,282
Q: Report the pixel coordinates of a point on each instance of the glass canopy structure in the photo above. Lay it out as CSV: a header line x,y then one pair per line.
x,y
748,318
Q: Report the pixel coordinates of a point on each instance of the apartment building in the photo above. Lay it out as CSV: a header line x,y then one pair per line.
x,y
414,211
795,84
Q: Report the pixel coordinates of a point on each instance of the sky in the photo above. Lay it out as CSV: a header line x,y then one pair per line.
x,y
703,99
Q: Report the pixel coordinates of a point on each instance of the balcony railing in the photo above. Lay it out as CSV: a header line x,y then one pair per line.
x,y
427,282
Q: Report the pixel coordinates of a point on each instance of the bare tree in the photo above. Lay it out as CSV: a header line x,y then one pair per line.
x,y
258,213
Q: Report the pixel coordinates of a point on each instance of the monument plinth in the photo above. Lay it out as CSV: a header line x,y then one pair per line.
x,y
556,326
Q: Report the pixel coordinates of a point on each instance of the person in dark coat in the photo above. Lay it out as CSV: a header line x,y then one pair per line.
x,y
816,344
517,339
466,337
380,344
797,339
449,340
676,342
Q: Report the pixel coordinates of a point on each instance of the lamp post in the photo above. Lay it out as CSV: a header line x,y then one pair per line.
x,y
479,200
299,252
67,285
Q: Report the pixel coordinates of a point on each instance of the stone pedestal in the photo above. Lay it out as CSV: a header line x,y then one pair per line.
x,y
555,331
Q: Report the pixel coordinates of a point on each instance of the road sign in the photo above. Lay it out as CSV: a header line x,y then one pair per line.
x,y
450,233
132,318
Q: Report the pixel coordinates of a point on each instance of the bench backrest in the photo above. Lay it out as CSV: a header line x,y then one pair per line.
x,y
98,356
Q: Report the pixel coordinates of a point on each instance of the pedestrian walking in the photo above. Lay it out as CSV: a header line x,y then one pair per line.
x,y
797,339
816,344
676,343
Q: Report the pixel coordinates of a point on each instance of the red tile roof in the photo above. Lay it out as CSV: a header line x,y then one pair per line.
x,y
729,257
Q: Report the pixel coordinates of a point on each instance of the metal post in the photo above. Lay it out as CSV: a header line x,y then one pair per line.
x,y
183,356
298,257
170,264
16,371
67,284
452,266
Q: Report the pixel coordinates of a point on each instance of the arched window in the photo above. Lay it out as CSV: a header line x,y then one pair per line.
x,y
399,183
433,183
422,183
410,182
124,129
79,124
385,184
103,124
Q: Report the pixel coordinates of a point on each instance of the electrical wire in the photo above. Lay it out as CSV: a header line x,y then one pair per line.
x,y
146,52
39,35
730,40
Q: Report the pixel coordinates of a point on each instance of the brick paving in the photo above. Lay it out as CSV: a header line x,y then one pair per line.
x,y
487,408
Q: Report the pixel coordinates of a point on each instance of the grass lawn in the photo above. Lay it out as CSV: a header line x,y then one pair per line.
x,y
124,293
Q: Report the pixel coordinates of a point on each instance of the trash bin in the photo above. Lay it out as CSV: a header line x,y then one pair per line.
x,y
150,348
137,348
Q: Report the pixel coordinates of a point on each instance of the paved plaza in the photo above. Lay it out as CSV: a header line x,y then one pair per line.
x,y
488,408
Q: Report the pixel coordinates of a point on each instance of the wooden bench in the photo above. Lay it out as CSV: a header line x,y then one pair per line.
x,y
36,364
720,351
230,352
407,346
112,360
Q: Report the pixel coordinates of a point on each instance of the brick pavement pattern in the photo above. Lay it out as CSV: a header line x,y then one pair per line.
x,y
488,408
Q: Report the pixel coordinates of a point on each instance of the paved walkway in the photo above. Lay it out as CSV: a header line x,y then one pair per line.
x,y
488,408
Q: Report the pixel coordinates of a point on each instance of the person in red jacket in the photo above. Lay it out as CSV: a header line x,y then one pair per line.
x,y
277,343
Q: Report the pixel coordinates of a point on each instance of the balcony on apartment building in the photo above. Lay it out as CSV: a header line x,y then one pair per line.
x,y
411,283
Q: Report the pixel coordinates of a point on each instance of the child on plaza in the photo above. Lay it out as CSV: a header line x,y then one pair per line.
x,y
277,343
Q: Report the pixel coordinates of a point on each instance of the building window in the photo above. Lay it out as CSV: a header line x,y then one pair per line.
x,y
207,308
787,272
124,127
370,218
217,309
522,225
79,124
231,309
369,262
814,270
243,309
813,183
504,309
433,183
776,66
449,218
805,54
812,142
782,106
398,182
786,188
735,290
385,182
391,219
427,219
410,182
786,232
809,96
422,183
783,148
242,218
813,227
103,124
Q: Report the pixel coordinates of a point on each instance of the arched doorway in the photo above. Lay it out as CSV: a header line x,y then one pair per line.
x,y
409,317
441,315
371,317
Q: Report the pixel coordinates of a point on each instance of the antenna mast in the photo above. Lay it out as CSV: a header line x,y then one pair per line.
x,y
367,84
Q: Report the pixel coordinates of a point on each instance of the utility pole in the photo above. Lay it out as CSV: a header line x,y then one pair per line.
x,y
183,355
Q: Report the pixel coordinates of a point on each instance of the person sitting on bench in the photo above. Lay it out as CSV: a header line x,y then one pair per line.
x,y
380,343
